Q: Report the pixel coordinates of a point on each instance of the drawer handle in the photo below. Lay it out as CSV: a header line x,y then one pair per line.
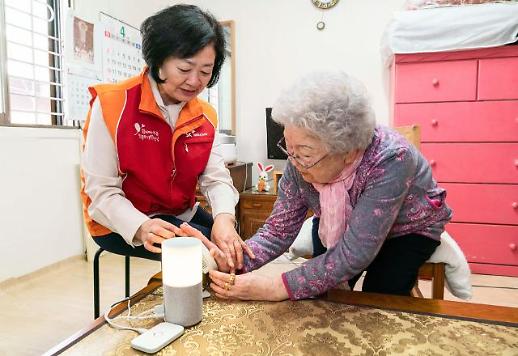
x,y
435,123
435,82
514,205
257,205
512,247
516,162
433,163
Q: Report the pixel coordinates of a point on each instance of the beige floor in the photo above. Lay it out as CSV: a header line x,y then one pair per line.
x,y
44,308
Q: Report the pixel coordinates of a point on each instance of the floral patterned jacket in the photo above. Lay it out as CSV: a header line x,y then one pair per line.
x,y
393,194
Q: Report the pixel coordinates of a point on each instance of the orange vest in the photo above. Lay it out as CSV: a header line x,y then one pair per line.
x,y
159,166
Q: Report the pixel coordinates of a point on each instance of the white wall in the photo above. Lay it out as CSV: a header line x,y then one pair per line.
x,y
276,42
40,220
133,12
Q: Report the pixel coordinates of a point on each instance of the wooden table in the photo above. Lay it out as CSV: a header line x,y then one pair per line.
x,y
341,322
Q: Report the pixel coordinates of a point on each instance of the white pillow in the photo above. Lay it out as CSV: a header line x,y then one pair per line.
x,y
303,244
456,270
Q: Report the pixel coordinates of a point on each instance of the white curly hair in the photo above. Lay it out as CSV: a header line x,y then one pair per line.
x,y
333,106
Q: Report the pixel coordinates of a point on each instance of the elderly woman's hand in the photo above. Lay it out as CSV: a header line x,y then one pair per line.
x,y
225,236
187,230
248,286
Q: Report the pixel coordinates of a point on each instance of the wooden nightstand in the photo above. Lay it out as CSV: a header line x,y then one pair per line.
x,y
254,208
251,212
241,174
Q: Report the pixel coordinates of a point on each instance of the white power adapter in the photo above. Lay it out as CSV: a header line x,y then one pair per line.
x,y
157,337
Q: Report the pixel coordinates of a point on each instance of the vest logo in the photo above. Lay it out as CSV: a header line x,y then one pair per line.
x,y
144,134
193,133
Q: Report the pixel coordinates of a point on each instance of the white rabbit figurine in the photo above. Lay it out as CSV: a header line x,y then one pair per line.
x,y
262,183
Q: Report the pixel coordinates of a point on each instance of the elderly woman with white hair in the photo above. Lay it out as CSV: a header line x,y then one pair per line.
x,y
377,205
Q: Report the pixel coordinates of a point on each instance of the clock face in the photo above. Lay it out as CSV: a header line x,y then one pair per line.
x,y
324,4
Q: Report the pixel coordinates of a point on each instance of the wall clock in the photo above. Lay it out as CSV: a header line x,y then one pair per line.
x,y
324,4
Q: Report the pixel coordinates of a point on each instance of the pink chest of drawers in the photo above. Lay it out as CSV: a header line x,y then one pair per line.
x,y
467,106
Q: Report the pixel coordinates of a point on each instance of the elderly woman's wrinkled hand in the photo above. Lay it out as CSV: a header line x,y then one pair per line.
x,y
187,230
248,286
225,236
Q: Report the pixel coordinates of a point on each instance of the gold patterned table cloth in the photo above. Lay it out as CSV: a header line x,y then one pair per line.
x,y
310,327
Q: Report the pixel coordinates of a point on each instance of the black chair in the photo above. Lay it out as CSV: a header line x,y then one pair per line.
x,y
96,280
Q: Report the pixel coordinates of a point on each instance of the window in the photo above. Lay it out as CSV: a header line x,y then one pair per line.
x,y
31,62
222,96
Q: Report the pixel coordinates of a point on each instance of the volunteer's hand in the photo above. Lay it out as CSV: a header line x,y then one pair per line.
x,y
225,236
187,230
154,231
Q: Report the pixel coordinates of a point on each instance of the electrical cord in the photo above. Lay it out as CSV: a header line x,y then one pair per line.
x,y
499,287
154,313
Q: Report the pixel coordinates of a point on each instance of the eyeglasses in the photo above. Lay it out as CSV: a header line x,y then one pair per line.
x,y
302,162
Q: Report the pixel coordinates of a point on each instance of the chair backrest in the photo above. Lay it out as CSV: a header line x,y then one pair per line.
x,y
412,133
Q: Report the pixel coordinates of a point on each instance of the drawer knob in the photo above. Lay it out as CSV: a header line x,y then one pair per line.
x,y
512,247
435,122
516,162
433,163
435,82
514,205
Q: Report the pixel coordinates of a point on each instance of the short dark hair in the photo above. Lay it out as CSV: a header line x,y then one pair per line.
x,y
181,31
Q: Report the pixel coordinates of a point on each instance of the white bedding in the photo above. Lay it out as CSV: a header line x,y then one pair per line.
x,y
450,28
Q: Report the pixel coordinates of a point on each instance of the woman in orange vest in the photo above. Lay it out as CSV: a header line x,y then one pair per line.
x,y
149,140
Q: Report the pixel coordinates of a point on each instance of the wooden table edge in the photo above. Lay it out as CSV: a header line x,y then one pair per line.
x,y
97,323
493,314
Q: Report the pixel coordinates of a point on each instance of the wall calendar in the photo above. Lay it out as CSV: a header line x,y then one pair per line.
x,y
121,50
105,51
